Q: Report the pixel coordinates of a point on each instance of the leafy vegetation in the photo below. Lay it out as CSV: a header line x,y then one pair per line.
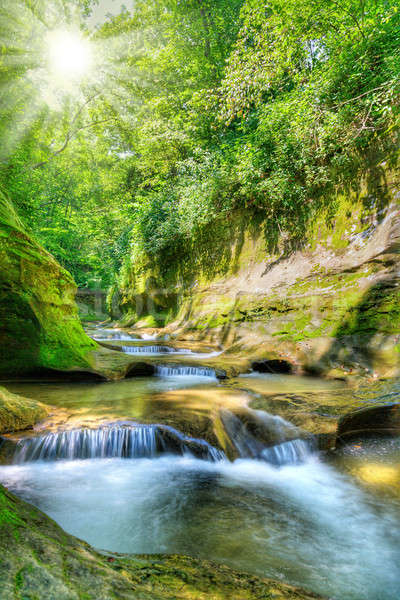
x,y
193,109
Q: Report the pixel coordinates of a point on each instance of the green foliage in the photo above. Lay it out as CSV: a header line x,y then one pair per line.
x,y
307,92
76,210
195,109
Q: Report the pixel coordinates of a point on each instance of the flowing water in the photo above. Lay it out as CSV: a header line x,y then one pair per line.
x,y
306,524
146,349
118,441
122,471
184,371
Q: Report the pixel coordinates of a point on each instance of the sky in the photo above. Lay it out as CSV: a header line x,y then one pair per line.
x,y
105,7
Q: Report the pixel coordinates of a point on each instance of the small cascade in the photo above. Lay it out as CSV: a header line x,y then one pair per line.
x,y
153,350
293,452
246,444
266,437
117,441
174,371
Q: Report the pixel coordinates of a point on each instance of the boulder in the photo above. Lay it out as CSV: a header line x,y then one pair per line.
x,y
368,422
17,412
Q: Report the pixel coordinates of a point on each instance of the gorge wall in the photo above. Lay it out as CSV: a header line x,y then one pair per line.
x,y
327,300
40,327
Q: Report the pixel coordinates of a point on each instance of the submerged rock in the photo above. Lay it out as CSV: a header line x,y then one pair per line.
x,y
39,560
17,412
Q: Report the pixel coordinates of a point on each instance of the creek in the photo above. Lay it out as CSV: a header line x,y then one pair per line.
x,y
133,466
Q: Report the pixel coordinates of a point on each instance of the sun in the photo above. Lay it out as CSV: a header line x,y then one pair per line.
x,y
70,55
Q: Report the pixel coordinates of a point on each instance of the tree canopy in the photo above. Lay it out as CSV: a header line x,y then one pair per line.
x,y
189,111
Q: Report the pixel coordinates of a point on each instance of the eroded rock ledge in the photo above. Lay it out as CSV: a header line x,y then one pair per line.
x,y
328,304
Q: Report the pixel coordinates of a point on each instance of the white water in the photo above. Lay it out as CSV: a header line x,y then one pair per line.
x,y
184,371
167,350
306,523
212,354
287,453
149,336
154,350
282,444
113,441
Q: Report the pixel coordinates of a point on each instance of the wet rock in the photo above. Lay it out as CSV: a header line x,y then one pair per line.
x,y
325,441
250,431
17,412
367,422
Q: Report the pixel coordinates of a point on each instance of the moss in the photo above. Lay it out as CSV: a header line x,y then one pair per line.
x,y
40,324
147,321
378,310
8,516
89,317
17,412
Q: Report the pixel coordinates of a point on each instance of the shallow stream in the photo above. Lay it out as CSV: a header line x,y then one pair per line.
x,y
293,515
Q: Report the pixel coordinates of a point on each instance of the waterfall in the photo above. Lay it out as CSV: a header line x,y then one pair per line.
x,y
293,452
264,437
116,441
173,371
153,350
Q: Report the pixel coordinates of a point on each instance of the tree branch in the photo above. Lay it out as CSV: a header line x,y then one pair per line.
x,y
361,95
207,44
340,6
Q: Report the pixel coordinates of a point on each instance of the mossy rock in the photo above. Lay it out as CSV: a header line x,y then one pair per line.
x,y
17,412
39,561
38,315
